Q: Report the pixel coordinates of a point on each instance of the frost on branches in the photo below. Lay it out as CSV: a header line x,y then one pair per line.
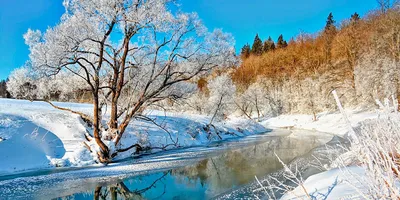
x,y
128,54
222,92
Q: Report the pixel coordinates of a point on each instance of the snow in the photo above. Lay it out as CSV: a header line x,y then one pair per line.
x,y
345,182
24,143
335,184
45,185
326,122
34,135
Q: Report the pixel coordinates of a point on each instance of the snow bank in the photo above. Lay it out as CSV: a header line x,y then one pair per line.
x,y
364,172
24,142
327,122
34,135
334,184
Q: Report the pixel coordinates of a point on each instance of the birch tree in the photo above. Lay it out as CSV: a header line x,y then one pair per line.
x,y
131,54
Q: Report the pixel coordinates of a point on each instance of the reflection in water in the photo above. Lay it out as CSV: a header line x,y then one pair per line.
x,y
121,191
212,176
238,167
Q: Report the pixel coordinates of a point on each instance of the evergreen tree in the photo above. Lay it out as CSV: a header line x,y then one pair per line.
x,y
257,48
355,18
285,44
329,34
281,42
330,24
269,45
3,89
245,52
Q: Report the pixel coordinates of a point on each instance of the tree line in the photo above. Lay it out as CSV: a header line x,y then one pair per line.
x,y
259,47
359,57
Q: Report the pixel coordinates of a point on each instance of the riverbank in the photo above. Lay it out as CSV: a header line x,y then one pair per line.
x,y
201,172
360,173
333,123
36,136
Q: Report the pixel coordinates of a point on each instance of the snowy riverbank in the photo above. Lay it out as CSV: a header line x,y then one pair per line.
x,y
332,123
36,136
352,180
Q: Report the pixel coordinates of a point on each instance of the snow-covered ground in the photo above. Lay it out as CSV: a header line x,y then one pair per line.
x,y
34,135
343,183
332,184
333,123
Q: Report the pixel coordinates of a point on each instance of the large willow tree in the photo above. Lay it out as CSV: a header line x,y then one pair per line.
x,y
130,54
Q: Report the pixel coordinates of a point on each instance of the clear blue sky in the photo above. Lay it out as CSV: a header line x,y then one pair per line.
x,y
242,18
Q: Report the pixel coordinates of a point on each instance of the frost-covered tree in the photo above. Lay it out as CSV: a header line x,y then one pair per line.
x,y
131,54
376,77
262,98
253,101
24,83
20,84
222,92
385,5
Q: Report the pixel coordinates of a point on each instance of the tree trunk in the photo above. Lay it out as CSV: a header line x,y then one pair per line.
x,y
97,193
104,151
113,192
113,116
121,131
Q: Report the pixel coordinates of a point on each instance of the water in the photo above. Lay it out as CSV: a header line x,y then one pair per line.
x,y
216,171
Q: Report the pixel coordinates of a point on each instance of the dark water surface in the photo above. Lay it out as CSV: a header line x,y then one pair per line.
x,y
191,173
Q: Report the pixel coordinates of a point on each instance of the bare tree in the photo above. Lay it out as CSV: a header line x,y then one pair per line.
x,y
385,5
130,54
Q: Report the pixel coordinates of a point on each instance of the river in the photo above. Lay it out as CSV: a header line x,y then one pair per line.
x,y
221,170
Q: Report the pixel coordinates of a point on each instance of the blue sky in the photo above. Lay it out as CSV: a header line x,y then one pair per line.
x,y
242,18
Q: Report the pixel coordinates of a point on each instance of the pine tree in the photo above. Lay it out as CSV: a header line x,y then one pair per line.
x,y
281,42
285,44
257,48
272,43
330,24
355,18
245,52
269,45
329,34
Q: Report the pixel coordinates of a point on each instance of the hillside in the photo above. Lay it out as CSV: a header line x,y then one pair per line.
x,y
358,57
